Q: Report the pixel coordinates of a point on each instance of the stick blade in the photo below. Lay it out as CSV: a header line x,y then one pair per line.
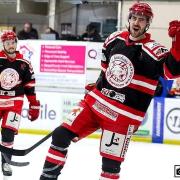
x,y
14,163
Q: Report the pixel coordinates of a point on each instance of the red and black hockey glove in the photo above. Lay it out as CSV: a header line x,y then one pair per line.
x,y
34,108
174,33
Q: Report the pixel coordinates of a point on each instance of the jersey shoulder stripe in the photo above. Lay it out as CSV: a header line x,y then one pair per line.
x,y
118,34
2,55
24,60
155,50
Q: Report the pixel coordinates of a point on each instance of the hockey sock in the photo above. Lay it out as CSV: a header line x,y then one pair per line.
x,y
9,145
7,141
55,161
109,176
56,156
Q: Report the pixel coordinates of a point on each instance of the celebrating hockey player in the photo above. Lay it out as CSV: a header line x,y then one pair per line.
x,y
131,65
16,79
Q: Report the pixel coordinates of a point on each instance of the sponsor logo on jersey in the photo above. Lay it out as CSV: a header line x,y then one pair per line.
x,y
113,94
152,45
106,111
7,93
160,51
7,103
112,143
120,72
9,78
127,140
13,120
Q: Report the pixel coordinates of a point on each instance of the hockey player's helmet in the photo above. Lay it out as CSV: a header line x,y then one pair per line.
x,y
8,35
141,9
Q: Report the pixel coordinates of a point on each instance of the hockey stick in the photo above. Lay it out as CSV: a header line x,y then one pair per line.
x,y
23,152
13,163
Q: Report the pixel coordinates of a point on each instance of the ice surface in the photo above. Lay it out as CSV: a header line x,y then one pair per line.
x,y
144,161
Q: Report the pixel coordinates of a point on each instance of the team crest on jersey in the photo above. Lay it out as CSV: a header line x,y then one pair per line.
x,y
9,78
120,71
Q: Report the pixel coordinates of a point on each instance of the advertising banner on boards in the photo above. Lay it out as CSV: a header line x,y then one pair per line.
x,y
58,64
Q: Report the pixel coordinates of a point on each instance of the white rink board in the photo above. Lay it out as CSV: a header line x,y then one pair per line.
x,y
94,54
172,119
56,63
56,60
54,106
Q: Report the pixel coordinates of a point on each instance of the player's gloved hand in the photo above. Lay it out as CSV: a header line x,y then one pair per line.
x,y
89,87
173,25
174,33
34,108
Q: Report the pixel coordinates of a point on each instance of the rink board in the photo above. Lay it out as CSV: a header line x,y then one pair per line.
x,y
160,125
63,64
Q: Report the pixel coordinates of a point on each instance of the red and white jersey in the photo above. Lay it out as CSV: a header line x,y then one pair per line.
x,y
16,79
129,76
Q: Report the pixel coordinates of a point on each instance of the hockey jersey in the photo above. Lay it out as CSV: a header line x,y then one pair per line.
x,y
16,79
129,76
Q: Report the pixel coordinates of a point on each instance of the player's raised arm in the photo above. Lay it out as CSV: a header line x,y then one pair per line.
x,y
172,62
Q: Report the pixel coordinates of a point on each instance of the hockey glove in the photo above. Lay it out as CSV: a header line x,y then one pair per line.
x,y
34,108
174,33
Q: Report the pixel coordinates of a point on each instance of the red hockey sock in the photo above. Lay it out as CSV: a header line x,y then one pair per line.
x,y
56,157
109,176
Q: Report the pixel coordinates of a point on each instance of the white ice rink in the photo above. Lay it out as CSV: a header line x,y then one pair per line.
x,y
144,161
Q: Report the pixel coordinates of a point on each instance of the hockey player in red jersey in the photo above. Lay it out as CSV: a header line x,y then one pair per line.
x,y
131,65
16,80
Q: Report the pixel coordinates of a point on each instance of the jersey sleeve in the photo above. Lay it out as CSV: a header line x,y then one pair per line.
x,y
29,82
169,67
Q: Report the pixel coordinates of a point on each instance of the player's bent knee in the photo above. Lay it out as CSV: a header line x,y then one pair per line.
x,y
110,166
62,137
7,135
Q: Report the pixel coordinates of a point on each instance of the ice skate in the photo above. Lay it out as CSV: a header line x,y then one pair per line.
x,y
6,169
